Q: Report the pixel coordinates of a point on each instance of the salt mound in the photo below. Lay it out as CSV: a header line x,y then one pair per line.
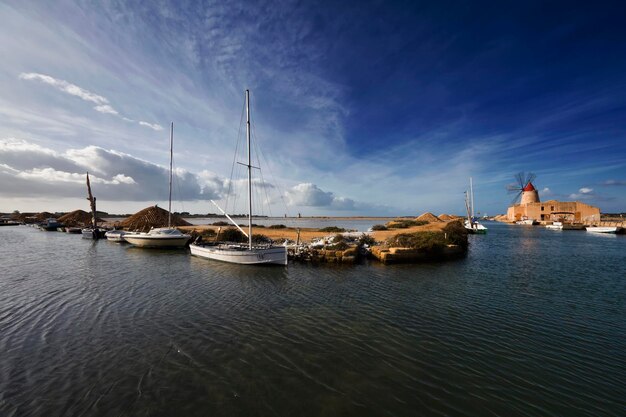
x,y
150,217
429,217
77,218
445,217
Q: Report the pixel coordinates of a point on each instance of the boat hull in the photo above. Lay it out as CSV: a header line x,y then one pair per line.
x,y
157,242
115,236
600,229
275,255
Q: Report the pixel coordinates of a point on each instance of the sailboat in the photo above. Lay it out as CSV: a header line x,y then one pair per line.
x,y
161,237
471,224
241,253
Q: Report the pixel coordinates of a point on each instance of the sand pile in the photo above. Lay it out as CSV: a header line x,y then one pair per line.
x,y
77,218
151,217
445,217
33,217
429,217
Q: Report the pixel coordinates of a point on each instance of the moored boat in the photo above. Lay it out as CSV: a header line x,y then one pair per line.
x,y
603,229
115,235
555,226
527,222
162,237
240,253
50,225
471,223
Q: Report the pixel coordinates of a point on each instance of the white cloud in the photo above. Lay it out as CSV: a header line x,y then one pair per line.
x,y
66,87
585,190
106,109
27,170
154,126
102,103
307,194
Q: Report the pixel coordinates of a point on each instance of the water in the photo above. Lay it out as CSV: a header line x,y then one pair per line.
x,y
531,323
359,225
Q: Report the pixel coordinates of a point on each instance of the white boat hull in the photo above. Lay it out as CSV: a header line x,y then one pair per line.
x,y
274,255
603,229
528,222
156,242
115,236
555,226
475,228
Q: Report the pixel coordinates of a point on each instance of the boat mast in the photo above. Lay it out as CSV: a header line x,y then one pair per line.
x,y
92,203
249,170
472,199
169,208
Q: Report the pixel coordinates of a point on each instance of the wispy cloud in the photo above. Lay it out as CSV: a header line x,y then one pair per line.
x,y
614,183
153,126
102,103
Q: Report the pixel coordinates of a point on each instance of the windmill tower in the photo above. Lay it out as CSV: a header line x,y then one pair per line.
x,y
525,189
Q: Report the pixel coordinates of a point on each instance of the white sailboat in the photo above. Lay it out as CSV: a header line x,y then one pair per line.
x,y
241,253
162,237
471,224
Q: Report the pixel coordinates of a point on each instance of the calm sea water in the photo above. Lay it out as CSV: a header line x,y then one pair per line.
x,y
359,225
532,322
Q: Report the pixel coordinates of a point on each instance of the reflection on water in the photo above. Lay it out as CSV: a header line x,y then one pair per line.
x,y
530,323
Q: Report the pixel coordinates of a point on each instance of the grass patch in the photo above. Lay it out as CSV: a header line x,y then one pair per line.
x,y
378,227
405,224
277,226
453,233
333,229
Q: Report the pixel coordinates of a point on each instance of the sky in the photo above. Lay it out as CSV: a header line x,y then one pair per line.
x,y
378,108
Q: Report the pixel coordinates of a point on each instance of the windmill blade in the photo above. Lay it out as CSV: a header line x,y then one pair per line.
x,y
513,188
520,179
530,178
516,198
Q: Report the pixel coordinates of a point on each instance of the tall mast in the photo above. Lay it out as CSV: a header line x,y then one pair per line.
x,y
169,208
92,204
249,170
472,198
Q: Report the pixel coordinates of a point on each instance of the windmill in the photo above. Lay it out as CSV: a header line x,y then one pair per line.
x,y
523,188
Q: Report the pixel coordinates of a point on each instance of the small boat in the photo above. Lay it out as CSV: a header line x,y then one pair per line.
x,y
471,224
527,222
73,230
162,237
93,233
9,223
249,254
115,235
603,229
555,226
50,225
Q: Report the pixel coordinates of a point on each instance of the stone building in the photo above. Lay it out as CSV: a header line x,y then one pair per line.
x,y
531,208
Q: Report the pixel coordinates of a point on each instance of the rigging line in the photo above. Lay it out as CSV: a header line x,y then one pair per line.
x,y
273,178
263,183
177,185
232,168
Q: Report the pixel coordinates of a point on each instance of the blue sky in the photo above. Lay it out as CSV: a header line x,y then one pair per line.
x,y
362,108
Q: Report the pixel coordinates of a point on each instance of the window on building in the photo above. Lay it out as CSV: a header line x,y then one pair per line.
x,y
541,208
551,208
